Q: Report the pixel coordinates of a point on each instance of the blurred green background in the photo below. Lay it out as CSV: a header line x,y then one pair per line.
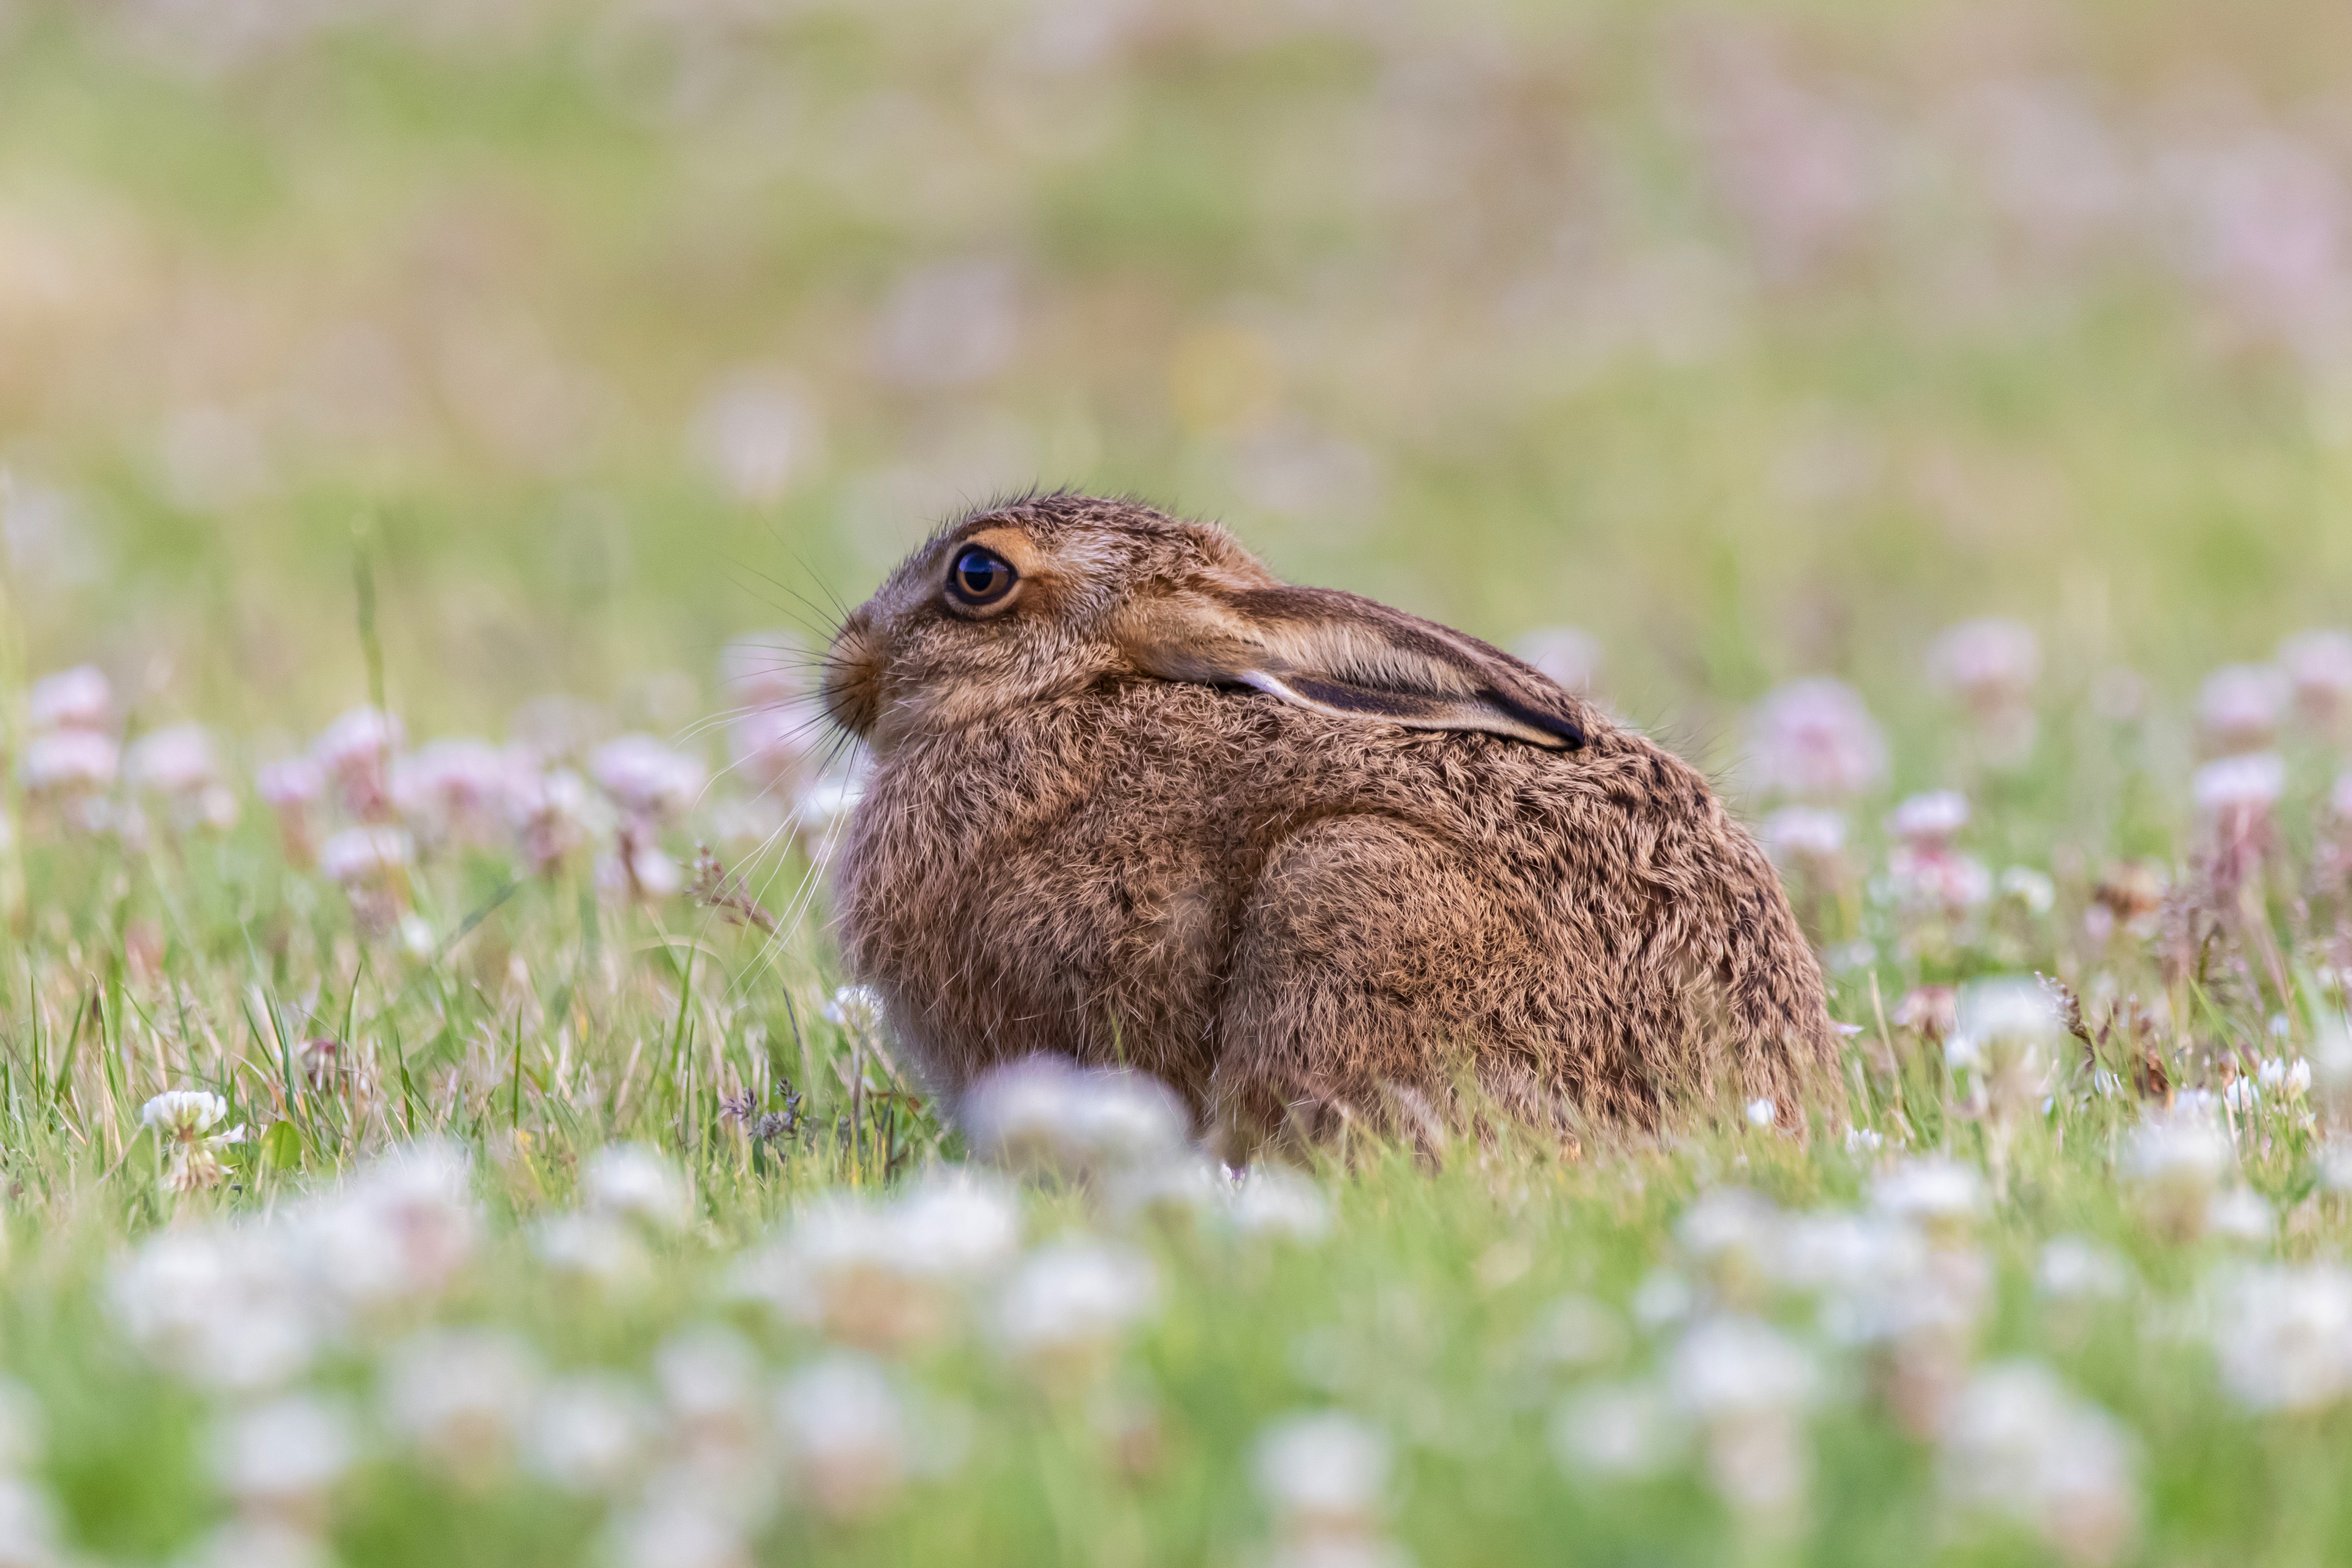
x,y
1759,340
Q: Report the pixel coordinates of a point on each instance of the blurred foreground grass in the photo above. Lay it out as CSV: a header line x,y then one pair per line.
x,y
449,356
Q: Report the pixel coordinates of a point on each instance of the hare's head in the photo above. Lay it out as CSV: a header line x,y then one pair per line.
x,y
1051,595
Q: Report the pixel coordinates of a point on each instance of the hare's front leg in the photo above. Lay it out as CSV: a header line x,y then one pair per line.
x,y
1367,972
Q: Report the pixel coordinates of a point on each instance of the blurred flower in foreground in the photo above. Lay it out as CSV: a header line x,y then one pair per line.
x,y
2018,1445
884,1276
1617,1431
1325,1478
1044,1114
1991,666
2283,1335
634,1182
290,787
591,1433
2008,1033
647,778
463,1399
279,1458
1065,1310
1814,739
1747,1387
844,1428
2176,1162
1807,838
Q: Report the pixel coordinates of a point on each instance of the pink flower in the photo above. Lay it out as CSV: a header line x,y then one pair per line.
x,y
360,856
69,761
176,761
1814,739
2318,668
1805,837
554,813
645,777
454,789
76,698
2241,706
1930,821
1991,666
291,781
356,753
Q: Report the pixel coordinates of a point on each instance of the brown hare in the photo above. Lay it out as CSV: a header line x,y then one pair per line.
x,y
1302,856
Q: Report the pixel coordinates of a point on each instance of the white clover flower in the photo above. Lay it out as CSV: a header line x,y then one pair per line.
x,y
634,1182
1323,1474
1177,1191
2072,1268
1930,820
261,1543
183,1115
1816,739
2241,1214
1662,1299
358,855
595,1248
462,1397
1065,1310
1861,1142
712,1385
591,1434
1048,1114
2318,667
1618,1431
2288,1079
2178,1163
1732,1365
669,1533
2017,1445
282,1456
1269,1201
882,1276
220,1307
1729,1234
76,699
399,1230
1747,1387
28,1525
2284,1337
1942,1196
1762,1112
844,1427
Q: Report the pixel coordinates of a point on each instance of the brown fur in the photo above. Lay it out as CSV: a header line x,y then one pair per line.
x,y
1086,834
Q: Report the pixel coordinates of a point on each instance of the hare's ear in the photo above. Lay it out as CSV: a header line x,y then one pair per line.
x,y
1339,653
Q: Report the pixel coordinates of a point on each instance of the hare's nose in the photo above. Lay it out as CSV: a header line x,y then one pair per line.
x,y
853,678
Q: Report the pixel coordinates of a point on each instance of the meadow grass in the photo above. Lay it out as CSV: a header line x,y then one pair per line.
x,y
443,357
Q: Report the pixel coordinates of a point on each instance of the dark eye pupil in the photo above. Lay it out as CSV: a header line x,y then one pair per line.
x,y
980,575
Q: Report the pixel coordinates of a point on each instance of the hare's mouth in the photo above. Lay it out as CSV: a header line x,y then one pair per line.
x,y
853,679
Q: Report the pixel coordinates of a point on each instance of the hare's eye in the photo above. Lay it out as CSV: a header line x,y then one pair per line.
x,y
980,577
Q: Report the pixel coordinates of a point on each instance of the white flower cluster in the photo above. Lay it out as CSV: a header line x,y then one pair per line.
x,y
1901,1291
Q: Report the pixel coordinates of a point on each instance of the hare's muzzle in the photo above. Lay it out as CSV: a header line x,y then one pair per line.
x,y
853,677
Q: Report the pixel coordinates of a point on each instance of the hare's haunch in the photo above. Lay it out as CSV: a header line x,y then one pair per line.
x,y
1297,853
